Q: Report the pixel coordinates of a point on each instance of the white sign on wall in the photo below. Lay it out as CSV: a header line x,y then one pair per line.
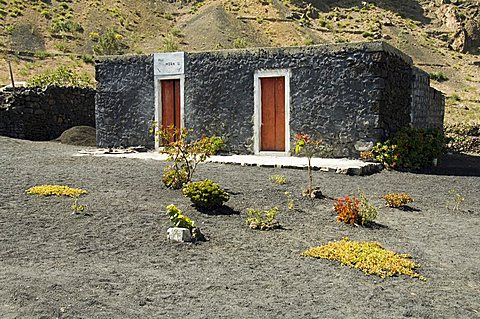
x,y
168,63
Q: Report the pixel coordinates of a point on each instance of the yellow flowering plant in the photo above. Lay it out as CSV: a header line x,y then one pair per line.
x,y
55,190
369,257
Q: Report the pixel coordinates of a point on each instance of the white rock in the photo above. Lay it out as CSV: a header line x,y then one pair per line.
x,y
179,234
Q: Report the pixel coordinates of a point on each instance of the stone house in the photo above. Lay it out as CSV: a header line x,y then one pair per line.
x,y
348,95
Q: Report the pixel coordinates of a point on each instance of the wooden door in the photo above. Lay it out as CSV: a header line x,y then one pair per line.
x,y
272,136
170,103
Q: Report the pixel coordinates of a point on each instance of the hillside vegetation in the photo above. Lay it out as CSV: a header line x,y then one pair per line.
x,y
442,36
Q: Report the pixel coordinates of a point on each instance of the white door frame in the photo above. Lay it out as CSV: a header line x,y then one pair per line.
x,y
158,101
257,113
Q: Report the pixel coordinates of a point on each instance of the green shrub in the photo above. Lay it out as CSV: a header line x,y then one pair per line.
x,y
240,43
62,76
109,43
455,97
41,55
65,26
88,58
170,43
367,211
174,178
177,219
205,194
263,220
438,76
411,148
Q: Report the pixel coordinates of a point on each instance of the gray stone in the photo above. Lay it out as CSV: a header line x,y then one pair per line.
x,y
364,145
179,234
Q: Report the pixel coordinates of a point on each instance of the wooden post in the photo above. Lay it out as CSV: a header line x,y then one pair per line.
x,y
11,74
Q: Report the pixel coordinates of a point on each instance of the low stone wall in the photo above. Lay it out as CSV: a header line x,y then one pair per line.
x,y
428,104
436,109
40,115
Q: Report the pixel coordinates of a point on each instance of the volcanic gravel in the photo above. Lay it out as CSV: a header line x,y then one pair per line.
x,y
118,263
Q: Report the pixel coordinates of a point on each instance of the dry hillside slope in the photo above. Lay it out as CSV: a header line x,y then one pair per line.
x,y
442,36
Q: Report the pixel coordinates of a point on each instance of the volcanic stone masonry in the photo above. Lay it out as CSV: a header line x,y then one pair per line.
x,y
348,95
43,114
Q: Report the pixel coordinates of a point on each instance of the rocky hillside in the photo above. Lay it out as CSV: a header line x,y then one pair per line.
x,y
442,36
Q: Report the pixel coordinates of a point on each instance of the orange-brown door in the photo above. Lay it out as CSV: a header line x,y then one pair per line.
x,y
272,136
170,103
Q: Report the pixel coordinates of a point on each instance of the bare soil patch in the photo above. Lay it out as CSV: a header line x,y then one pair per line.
x,y
118,263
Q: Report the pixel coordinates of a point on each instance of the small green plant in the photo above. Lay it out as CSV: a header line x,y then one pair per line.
x,y
367,211
55,190
174,178
167,15
194,8
170,43
455,97
369,257
205,194
41,55
109,43
62,46
78,209
309,147
176,32
184,152
397,200
455,200
240,43
438,76
87,58
263,220
278,179
290,200
387,154
65,26
179,220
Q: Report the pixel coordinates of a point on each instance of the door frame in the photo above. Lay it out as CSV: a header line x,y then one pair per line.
x,y
158,101
257,112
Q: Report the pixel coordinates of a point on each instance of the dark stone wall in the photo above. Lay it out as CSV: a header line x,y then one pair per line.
x,y
43,114
338,93
125,101
349,95
428,104
436,109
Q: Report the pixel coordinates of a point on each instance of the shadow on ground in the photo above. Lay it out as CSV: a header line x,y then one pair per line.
x,y
455,165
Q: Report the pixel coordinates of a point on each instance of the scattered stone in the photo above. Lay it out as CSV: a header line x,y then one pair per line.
x,y
78,135
316,193
184,235
197,235
179,234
